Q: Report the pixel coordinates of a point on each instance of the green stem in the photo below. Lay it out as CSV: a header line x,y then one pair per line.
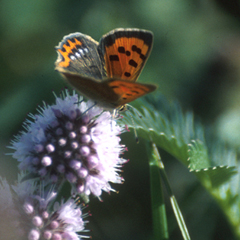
x,y
176,209
160,227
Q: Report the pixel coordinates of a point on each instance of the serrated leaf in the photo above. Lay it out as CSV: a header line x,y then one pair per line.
x,y
198,156
212,163
215,176
173,137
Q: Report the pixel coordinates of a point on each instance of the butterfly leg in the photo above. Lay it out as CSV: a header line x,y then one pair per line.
x,y
78,102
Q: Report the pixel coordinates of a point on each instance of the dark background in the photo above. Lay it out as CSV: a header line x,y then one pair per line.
x,y
195,59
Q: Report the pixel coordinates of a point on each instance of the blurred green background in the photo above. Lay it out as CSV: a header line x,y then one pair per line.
x,y
195,60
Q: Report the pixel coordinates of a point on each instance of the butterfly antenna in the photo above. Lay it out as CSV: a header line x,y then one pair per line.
x,y
80,99
134,109
78,102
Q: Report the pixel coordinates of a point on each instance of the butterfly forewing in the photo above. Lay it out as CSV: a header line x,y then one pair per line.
x,y
125,52
77,53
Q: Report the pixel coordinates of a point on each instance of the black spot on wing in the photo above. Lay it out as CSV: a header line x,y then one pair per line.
x,y
135,92
121,49
139,51
67,44
113,58
72,40
142,57
136,49
128,53
79,39
127,74
133,63
114,87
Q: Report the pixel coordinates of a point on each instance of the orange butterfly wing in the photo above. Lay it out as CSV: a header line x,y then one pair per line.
x,y
106,72
125,52
127,91
109,93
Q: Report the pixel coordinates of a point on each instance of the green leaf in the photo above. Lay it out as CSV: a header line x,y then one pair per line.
x,y
215,176
199,163
214,164
198,156
170,136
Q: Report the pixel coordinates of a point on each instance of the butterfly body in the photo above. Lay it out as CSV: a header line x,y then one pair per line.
x,y
106,72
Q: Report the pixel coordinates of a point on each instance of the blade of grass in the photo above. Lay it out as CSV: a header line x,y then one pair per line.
x,y
176,209
160,227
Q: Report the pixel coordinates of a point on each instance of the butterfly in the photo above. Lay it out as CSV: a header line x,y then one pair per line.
x,y
106,72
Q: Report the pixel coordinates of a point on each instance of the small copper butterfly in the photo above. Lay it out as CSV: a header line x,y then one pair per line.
x,y
106,72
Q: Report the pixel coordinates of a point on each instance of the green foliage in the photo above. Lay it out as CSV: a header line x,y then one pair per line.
x,y
214,164
199,163
160,226
195,59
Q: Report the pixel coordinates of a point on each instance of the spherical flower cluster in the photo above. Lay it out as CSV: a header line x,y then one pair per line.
x,y
26,214
63,223
74,141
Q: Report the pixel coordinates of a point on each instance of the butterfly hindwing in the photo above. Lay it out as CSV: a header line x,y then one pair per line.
x,y
77,53
125,52
109,93
96,90
128,91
